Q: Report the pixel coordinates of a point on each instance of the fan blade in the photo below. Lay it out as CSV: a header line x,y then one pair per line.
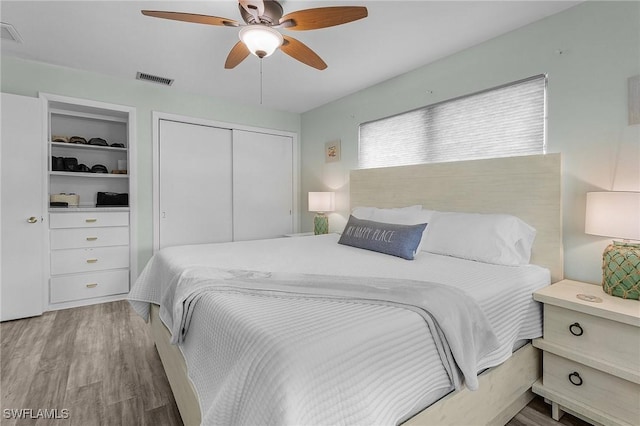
x,y
298,50
238,53
322,17
191,17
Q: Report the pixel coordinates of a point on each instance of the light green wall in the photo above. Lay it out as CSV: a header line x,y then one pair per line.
x,y
27,78
587,111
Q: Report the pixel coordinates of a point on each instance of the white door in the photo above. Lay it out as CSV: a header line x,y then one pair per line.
x,y
21,208
262,185
195,184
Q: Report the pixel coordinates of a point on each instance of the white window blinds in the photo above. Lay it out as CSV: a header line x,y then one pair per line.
x,y
502,122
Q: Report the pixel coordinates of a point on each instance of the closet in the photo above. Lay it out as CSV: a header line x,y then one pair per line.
x,y
92,257
195,184
220,183
262,185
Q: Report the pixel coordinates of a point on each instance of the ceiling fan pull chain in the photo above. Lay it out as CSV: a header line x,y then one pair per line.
x,y
260,81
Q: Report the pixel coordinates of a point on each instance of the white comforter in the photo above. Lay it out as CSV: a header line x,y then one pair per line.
x,y
264,358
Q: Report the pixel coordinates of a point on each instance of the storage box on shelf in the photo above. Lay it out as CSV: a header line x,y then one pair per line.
x,y
591,350
90,246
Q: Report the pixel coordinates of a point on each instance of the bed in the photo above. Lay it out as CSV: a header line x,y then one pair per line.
x,y
375,372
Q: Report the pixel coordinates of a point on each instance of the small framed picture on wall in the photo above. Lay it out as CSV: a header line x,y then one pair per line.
x,y
332,151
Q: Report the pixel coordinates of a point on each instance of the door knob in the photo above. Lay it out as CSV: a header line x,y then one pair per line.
x,y
32,219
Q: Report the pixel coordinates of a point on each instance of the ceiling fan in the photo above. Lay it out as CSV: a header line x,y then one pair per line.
x,y
259,34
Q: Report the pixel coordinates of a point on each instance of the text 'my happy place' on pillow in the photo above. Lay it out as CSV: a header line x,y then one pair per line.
x,y
410,215
389,238
491,238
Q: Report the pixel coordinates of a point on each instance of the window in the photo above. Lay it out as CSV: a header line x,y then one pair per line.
x,y
501,122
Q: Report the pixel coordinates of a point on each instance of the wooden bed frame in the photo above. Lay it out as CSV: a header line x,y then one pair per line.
x,y
528,187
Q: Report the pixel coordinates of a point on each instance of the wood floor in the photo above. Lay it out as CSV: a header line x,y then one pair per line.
x,y
99,363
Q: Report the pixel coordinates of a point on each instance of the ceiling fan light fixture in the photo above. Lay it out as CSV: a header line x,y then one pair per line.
x,y
261,40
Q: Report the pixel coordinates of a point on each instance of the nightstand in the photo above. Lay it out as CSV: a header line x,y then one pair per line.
x,y
591,358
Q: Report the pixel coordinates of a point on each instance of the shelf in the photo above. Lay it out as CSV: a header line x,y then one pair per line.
x,y
82,111
90,175
575,407
65,145
86,208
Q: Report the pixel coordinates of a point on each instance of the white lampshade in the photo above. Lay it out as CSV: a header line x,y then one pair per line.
x,y
613,214
261,40
321,201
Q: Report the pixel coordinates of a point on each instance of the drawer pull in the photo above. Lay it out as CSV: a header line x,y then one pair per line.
x,y
92,260
92,238
91,220
92,285
576,329
575,379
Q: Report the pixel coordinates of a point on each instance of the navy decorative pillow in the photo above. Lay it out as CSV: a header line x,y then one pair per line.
x,y
388,238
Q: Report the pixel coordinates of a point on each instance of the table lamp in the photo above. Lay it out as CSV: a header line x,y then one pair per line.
x,y
321,202
617,214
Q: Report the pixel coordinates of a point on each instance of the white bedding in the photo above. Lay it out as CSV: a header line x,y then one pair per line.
x,y
375,367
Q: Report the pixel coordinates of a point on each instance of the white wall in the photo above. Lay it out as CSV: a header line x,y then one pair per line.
x,y
27,78
587,111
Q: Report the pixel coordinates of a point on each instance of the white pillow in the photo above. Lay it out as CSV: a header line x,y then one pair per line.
x,y
411,215
367,213
491,238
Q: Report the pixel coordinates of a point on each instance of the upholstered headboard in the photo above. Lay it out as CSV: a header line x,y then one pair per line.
x,y
528,187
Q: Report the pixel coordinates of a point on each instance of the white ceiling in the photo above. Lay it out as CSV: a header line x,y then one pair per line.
x,y
114,38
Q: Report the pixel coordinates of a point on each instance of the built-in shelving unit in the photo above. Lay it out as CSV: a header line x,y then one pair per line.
x,y
91,254
66,119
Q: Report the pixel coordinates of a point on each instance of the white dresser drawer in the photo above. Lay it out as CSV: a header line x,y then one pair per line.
x,y
89,259
67,238
84,286
88,219
616,342
592,387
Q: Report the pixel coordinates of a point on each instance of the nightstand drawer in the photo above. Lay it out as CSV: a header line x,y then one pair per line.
x,y
615,342
89,259
594,388
85,286
89,237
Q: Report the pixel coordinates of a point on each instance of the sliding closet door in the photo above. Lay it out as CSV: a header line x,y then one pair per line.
x,y
195,184
262,185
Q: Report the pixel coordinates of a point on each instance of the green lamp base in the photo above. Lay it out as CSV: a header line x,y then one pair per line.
x,y
320,224
621,270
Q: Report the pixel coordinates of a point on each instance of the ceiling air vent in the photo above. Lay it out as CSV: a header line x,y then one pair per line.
x,y
154,78
8,32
